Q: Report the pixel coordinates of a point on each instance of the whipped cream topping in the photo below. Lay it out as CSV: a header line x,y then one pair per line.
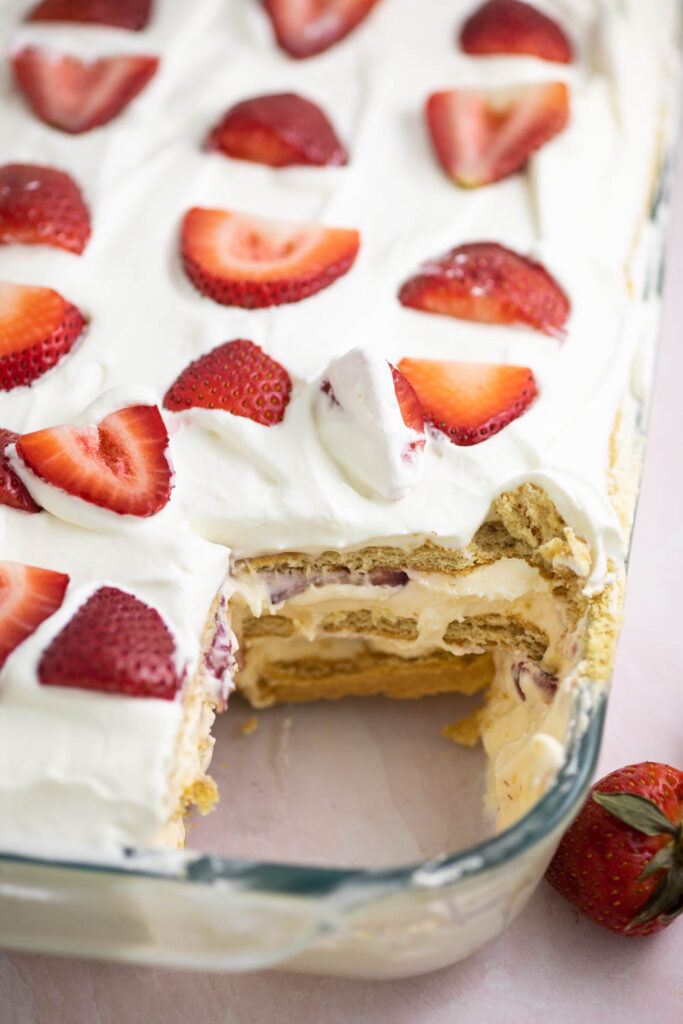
x,y
254,489
361,425
84,766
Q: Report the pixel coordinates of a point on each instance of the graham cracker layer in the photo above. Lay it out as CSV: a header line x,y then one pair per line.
x,y
371,673
489,631
524,523
478,632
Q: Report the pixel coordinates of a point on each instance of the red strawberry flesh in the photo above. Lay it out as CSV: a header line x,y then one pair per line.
x,y
408,402
12,491
241,260
279,129
236,377
483,136
469,402
115,643
42,205
304,28
121,464
76,96
28,595
485,282
513,27
127,14
37,328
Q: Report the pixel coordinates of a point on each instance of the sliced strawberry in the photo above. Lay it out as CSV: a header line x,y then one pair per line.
x,y
121,464
236,377
470,402
486,282
115,643
12,490
131,14
278,130
75,96
306,27
408,402
28,595
481,136
510,26
42,205
37,328
240,260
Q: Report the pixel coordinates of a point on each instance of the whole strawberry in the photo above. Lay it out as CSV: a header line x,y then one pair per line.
x,y
621,862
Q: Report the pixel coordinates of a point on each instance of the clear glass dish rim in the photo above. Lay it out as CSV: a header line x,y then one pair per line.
x,y
269,877
554,807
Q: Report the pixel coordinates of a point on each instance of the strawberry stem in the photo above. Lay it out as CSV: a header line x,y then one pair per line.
x,y
667,899
638,812
645,816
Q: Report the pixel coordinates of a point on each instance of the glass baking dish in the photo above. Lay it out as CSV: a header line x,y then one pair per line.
x,y
185,909
203,910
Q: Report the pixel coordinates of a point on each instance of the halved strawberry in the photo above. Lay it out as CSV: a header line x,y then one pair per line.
x,y
278,130
486,282
37,328
306,27
121,464
115,643
408,403
130,14
236,377
241,260
481,136
75,96
510,26
469,402
28,595
12,490
42,205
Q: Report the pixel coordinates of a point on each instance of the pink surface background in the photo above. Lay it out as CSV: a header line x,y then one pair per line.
x,y
549,965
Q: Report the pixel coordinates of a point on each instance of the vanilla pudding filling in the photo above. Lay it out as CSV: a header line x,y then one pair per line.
x,y
236,563
415,617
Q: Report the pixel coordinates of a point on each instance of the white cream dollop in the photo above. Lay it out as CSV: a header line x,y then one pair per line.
x,y
361,424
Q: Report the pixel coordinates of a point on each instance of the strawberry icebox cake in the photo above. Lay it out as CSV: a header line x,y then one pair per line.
x,y
326,331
